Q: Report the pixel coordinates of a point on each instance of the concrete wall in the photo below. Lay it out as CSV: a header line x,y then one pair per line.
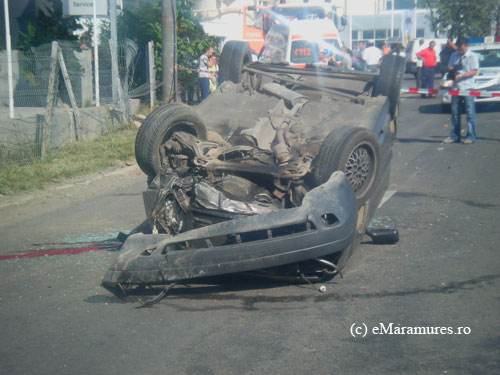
x,y
25,129
87,83
28,122
4,85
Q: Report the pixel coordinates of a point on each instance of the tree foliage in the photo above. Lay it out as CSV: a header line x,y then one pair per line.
x,y
144,25
465,18
46,26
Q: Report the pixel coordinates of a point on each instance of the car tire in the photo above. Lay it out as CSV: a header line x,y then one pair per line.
x,y
388,82
158,128
234,56
354,151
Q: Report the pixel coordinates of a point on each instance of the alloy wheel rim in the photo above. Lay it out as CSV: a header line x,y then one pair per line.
x,y
357,167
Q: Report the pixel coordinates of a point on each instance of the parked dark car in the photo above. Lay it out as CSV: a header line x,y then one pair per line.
x,y
281,168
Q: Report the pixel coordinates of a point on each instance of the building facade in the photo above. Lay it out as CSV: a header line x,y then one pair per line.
x,y
376,20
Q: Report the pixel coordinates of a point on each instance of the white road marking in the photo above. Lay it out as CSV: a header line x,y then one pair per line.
x,y
388,195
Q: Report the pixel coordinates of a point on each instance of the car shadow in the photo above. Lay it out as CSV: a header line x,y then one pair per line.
x,y
215,287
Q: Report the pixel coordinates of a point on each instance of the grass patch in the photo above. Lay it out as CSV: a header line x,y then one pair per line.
x,y
107,151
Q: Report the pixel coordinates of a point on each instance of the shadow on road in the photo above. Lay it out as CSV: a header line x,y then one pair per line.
x,y
247,302
439,108
213,288
418,140
444,197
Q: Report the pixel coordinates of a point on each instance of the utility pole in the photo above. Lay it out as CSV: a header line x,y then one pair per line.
x,y
9,58
115,80
392,18
96,55
414,31
169,58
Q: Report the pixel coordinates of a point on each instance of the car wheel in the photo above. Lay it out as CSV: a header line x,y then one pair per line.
x,y
234,56
354,151
388,82
158,128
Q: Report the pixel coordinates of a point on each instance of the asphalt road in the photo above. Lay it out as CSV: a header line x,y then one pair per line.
x,y
445,272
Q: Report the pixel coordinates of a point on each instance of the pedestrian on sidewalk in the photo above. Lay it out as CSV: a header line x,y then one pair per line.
x,y
204,74
428,57
463,67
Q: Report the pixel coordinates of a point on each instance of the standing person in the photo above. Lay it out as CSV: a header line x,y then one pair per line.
x,y
397,49
385,49
214,73
346,62
464,64
428,56
325,58
357,57
358,53
372,56
204,75
418,76
445,55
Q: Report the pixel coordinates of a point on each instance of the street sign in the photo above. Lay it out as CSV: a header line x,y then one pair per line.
x,y
84,7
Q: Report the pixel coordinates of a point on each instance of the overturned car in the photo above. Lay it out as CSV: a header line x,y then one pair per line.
x,y
281,168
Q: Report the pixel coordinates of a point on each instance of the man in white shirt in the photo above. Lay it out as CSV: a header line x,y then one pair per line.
x,y
372,56
464,64
204,75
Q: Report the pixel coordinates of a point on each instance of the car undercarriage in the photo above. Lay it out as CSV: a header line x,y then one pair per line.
x,y
280,167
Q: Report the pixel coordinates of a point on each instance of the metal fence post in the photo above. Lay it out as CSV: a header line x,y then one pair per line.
x,y
51,93
72,99
39,135
152,74
114,69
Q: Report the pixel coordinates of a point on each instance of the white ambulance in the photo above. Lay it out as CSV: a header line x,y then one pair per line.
x,y
301,42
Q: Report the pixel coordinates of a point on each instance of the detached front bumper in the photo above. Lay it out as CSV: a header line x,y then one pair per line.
x,y
324,224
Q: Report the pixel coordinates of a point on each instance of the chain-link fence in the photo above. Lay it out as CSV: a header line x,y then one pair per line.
x,y
21,136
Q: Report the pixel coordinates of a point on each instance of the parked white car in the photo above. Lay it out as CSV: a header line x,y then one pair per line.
x,y
488,76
